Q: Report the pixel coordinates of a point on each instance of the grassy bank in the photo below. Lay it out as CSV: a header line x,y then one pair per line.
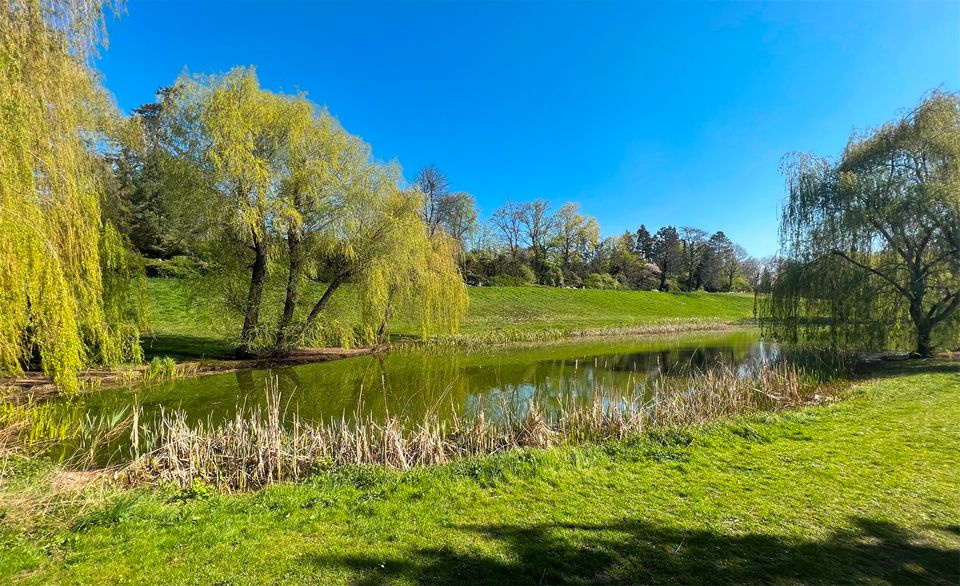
x,y
183,327
861,490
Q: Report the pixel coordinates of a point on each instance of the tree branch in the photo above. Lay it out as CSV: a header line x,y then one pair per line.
x,y
947,309
903,290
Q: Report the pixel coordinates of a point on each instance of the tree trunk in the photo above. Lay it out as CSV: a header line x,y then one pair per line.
x,y
924,327
251,315
324,300
295,245
924,348
382,331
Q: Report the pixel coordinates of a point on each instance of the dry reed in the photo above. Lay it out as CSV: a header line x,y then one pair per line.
x,y
262,445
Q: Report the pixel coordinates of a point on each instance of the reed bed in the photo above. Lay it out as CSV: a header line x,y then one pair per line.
x,y
267,444
35,428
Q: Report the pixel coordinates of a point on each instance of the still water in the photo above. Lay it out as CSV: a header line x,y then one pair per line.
x,y
410,383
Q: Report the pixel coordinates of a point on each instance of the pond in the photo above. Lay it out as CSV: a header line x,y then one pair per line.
x,y
409,383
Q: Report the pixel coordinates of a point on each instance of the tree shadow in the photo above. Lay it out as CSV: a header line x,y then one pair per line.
x,y
910,366
185,347
633,551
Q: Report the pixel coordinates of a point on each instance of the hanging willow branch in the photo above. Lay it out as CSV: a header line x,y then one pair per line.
x,y
298,198
65,279
872,241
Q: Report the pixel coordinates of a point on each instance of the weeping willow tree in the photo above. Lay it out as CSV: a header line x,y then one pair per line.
x,y
314,162
416,276
236,135
65,278
368,230
293,196
872,241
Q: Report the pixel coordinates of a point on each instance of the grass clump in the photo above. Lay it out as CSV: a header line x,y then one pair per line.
x,y
160,369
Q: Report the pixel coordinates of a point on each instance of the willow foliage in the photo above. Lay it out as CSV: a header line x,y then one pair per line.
x,y
237,135
294,195
872,241
416,275
367,229
65,279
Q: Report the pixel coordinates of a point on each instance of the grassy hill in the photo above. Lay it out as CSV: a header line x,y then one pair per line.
x,y
183,324
542,307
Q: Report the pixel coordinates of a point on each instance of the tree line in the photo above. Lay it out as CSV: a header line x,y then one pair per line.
x,y
519,244
532,243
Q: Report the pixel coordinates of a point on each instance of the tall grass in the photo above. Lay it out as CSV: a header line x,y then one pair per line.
x,y
46,428
263,445
32,424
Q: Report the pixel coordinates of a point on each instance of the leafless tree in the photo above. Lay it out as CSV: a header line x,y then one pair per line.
x,y
433,184
508,221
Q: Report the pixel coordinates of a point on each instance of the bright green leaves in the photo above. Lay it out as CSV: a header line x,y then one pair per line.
x,y
60,270
241,133
306,195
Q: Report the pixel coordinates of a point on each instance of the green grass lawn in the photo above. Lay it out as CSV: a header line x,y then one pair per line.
x,y
864,490
494,308
182,325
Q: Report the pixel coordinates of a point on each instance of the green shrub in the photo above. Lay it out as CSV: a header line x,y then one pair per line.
x,y
552,276
525,273
508,281
602,281
178,267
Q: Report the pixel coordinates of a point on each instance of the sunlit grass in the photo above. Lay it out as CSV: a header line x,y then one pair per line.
x,y
863,490
184,325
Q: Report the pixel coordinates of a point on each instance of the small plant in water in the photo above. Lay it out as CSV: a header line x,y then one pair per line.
x,y
161,369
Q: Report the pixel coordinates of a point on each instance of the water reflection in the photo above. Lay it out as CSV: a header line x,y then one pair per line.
x,y
412,383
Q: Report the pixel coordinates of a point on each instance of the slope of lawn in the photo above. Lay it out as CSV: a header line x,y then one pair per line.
x,y
541,307
864,490
182,324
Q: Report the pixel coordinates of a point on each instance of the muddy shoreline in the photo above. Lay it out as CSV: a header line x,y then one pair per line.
x,y
37,385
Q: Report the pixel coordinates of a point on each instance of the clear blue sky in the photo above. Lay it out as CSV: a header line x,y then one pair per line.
x,y
674,113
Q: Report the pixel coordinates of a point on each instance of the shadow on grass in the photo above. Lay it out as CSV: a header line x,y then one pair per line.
x,y
633,551
185,347
908,366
